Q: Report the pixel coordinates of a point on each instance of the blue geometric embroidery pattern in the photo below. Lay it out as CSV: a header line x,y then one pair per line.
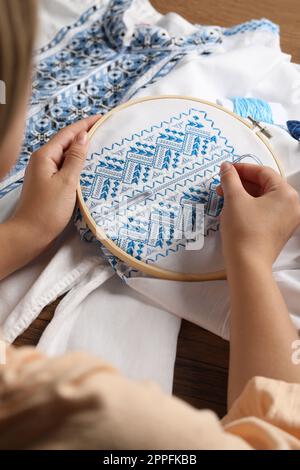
x,y
172,166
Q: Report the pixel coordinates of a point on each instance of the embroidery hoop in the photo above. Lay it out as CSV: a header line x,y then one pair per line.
x,y
152,269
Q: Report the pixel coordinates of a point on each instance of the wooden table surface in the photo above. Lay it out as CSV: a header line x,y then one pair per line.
x,y
202,358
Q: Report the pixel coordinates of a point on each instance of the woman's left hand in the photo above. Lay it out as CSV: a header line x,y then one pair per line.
x,y
49,191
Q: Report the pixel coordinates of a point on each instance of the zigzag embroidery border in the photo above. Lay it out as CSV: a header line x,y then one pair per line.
x,y
159,126
229,149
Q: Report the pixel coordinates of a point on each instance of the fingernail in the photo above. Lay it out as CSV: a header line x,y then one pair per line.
x,y
82,138
225,167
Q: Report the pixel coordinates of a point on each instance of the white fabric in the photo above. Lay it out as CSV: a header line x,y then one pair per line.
x,y
134,330
278,112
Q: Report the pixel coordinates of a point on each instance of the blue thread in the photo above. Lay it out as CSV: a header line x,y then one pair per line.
x,y
97,51
256,108
294,129
252,25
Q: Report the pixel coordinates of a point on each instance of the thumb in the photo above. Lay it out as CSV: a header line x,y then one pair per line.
x,y
230,181
76,155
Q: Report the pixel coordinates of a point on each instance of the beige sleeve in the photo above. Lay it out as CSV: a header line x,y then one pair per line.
x,y
77,401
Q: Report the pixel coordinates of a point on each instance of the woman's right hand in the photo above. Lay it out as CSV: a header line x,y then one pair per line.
x,y
261,211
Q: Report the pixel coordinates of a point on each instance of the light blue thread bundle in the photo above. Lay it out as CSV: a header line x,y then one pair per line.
x,y
256,108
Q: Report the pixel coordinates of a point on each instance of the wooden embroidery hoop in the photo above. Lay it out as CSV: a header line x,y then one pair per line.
x,y
151,269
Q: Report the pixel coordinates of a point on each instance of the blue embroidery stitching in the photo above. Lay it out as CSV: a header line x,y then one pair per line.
x,y
64,31
87,68
170,163
94,70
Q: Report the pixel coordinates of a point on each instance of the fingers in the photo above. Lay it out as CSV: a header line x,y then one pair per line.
x,y
230,180
74,157
256,180
264,177
252,188
56,147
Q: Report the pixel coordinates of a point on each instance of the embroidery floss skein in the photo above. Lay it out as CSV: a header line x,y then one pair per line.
x,y
260,110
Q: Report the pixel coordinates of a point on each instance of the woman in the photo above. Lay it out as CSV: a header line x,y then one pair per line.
x,y
77,401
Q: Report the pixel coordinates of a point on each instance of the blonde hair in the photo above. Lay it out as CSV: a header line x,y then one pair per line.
x,y
17,32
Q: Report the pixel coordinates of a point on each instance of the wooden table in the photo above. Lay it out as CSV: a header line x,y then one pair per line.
x,y
202,358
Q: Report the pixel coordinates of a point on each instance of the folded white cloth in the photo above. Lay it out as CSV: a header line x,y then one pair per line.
x,y
132,326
